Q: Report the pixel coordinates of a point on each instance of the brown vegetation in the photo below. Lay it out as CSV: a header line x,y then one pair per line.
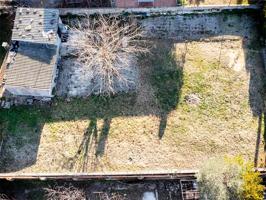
x,y
107,49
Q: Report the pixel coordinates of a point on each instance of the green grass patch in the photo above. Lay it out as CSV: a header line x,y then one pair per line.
x,y
29,116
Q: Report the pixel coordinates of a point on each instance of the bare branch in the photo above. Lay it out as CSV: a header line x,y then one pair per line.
x,y
108,48
64,193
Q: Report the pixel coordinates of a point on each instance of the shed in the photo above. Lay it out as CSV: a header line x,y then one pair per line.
x,y
32,60
31,70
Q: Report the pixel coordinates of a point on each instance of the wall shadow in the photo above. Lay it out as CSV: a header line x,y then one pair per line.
x,y
255,67
42,53
19,151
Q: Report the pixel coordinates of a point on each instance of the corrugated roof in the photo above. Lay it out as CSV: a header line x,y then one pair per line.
x,y
32,66
37,25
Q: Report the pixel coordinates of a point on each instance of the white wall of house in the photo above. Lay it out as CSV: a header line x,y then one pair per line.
x,y
24,91
58,45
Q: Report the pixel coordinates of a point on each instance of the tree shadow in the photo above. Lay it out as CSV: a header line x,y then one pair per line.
x,y
258,141
166,81
90,139
81,155
103,137
255,67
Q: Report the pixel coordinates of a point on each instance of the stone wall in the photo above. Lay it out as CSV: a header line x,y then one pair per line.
x,y
201,26
186,23
163,11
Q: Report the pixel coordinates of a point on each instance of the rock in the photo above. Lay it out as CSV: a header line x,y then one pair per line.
x,y
2,103
28,28
46,99
192,99
29,101
15,102
7,105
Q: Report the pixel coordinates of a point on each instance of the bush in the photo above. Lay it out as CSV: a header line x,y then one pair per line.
x,y
65,192
252,190
107,49
229,178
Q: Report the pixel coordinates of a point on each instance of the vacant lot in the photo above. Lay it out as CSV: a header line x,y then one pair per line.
x,y
195,100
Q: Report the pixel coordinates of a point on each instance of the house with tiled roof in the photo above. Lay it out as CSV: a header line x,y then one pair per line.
x,y
31,64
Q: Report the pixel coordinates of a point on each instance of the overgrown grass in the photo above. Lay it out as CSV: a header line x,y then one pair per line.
x,y
120,133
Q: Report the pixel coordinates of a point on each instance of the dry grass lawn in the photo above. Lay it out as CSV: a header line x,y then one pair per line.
x,y
196,100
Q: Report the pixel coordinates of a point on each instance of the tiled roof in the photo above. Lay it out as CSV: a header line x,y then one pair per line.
x,y
36,25
32,66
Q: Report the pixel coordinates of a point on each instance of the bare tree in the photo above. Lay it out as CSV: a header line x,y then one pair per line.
x,y
107,48
69,192
64,193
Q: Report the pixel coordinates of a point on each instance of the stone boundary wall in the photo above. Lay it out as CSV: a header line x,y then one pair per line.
x,y
157,11
218,26
150,175
186,23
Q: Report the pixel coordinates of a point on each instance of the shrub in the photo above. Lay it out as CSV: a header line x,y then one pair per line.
x,y
107,49
229,178
252,190
65,192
